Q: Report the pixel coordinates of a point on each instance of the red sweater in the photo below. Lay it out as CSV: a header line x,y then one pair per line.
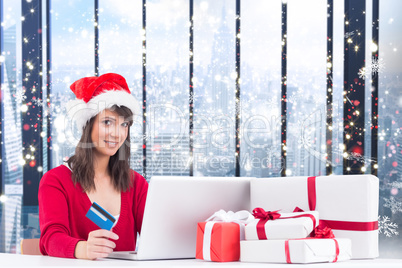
x,y
62,210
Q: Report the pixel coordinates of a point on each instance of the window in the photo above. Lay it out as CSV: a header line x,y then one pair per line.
x,y
214,88
72,33
260,89
167,57
12,97
148,42
305,81
388,68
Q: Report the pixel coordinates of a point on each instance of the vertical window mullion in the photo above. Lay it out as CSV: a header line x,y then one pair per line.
x,y
96,30
1,109
191,89
374,90
354,89
144,90
48,83
237,95
330,90
32,83
283,90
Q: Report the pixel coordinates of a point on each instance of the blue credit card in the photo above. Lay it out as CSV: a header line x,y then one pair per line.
x,y
100,217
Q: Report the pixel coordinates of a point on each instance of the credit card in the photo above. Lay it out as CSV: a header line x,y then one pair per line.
x,y
100,217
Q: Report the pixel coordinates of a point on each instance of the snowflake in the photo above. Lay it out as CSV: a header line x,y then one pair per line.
x,y
305,138
359,157
349,34
51,108
377,66
397,184
145,137
293,99
274,160
386,227
271,102
39,102
219,140
20,97
238,107
306,132
362,73
47,111
393,204
192,97
272,152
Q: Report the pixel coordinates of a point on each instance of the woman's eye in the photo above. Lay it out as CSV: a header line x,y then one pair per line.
x,y
107,122
125,124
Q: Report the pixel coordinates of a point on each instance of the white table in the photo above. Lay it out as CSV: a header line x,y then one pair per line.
x,y
13,260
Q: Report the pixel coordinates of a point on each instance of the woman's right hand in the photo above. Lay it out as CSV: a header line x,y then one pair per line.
x,y
98,245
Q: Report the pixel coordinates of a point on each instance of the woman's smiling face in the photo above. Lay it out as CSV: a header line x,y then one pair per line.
x,y
109,132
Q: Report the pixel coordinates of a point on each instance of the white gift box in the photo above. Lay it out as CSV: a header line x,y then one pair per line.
x,y
284,227
348,204
297,251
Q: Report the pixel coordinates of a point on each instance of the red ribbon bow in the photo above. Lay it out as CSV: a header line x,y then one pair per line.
x,y
260,213
322,231
264,216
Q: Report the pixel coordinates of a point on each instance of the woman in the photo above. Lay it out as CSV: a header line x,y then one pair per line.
x,y
98,172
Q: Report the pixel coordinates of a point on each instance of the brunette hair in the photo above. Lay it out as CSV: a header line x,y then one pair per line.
x,y
81,163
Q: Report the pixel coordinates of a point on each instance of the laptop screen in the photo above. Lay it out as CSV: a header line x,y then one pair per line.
x,y
175,205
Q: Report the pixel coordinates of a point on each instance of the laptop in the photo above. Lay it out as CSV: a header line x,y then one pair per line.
x,y
173,208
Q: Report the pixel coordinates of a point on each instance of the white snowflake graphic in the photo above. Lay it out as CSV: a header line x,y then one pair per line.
x,y
219,137
272,152
192,97
274,158
272,102
362,73
359,157
39,102
306,134
142,137
238,107
349,34
393,204
377,65
145,137
386,227
397,184
293,99
20,96
52,109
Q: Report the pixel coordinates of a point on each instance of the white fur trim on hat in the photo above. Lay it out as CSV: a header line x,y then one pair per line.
x,y
82,112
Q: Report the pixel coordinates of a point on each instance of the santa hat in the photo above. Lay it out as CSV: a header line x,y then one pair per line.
x,y
95,94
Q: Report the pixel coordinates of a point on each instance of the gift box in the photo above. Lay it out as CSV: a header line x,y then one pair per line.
x,y
218,239
347,204
280,225
224,242
296,251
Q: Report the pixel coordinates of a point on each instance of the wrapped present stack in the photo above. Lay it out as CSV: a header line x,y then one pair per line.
x,y
297,220
346,204
291,238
